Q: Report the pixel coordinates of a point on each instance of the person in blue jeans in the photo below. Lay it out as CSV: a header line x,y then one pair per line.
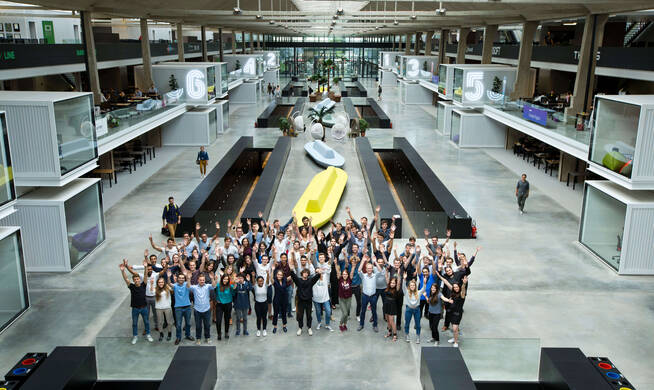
x,y
182,308
368,290
412,305
139,306
202,308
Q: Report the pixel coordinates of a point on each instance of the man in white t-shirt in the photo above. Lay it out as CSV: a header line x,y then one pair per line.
x,y
150,278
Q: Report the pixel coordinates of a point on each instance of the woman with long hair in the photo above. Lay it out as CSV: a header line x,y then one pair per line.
x,y
412,307
344,295
280,300
224,297
163,306
261,303
435,312
390,297
455,312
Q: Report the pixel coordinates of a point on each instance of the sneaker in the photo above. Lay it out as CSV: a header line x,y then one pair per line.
x,y
285,330
169,336
310,332
319,325
134,340
341,328
344,327
329,328
160,337
450,341
190,338
226,336
417,340
435,343
431,340
358,319
219,338
360,328
258,333
264,333
375,329
149,338
238,333
245,333
521,212
274,330
208,341
455,345
293,310
198,342
407,338
299,332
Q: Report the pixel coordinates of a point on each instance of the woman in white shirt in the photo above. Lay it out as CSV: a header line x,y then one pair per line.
x,y
261,303
321,293
162,305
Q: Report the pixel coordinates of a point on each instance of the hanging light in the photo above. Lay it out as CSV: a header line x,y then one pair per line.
x,y
272,22
396,22
440,10
259,16
413,13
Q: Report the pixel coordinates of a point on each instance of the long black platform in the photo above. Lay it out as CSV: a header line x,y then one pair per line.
x,y
559,369
371,111
220,195
426,200
295,88
378,190
264,192
278,109
353,89
74,368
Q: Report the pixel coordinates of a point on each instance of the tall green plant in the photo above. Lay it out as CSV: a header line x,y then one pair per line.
x,y
284,125
319,115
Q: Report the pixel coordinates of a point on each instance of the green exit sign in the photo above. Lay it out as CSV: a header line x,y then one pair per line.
x,y
8,55
79,52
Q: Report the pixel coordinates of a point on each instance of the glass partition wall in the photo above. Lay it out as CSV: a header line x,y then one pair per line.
x,y
75,132
7,191
14,299
85,229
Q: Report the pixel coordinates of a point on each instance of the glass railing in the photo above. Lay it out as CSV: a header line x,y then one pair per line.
x,y
506,360
117,358
124,118
552,119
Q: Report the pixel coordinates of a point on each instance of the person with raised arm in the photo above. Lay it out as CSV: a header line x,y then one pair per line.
x,y
163,302
412,307
261,302
344,294
456,300
390,298
320,292
181,292
202,308
281,286
368,290
137,302
304,294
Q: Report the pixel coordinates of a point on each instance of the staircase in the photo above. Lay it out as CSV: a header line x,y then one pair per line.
x,y
633,30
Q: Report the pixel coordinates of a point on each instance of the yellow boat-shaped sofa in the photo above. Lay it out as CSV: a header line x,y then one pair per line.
x,y
321,197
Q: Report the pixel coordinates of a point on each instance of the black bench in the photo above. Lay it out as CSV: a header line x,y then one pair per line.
x,y
378,189
384,122
353,89
263,118
299,105
263,195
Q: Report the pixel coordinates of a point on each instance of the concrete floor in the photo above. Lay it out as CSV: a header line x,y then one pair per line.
x,y
531,281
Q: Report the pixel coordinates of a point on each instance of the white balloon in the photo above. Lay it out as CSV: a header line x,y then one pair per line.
x,y
339,131
316,130
298,122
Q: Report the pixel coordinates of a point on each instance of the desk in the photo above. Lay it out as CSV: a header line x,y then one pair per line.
x,y
149,149
107,171
574,175
127,162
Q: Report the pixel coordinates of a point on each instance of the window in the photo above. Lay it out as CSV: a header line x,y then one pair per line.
x,y
7,193
13,289
84,223
75,132
602,225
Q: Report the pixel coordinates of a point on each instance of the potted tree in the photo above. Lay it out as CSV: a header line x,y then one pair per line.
x,y
284,126
363,126
319,116
172,83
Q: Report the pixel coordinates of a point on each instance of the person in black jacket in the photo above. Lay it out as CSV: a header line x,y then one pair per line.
x,y
304,287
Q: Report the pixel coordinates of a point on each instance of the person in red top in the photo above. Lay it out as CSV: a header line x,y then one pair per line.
x,y
344,295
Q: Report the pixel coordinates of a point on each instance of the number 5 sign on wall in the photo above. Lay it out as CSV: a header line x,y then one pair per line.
x,y
48,32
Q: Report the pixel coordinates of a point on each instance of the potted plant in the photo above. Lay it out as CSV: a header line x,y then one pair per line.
x,y
497,85
237,66
319,115
284,126
363,126
172,83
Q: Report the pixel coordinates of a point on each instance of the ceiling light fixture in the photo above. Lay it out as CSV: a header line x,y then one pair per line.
x,y
339,11
570,23
413,12
259,16
396,22
271,13
440,10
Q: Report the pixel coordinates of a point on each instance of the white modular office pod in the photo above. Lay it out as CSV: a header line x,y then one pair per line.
x,y
472,129
7,189
244,66
222,115
418,67
413,93
446,77
270,58
247,92
14,294
616,226
221,76
63,225
270,76
51,136
444,117
388,59
387,78
196,127
474,86
186,82
622,140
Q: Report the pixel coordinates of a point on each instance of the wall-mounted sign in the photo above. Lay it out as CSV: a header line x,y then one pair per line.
x,y
250,67
271,59
412,68
48,31
196,86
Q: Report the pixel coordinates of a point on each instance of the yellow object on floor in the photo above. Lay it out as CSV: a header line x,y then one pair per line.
x,y
321,197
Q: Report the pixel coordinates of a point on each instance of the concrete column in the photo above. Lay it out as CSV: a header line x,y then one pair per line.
x,y
220,44
258,41
490,33
428,35
442,45
145,53
233,42
180,43
243,40
399,43
522,86
407,43
91,61
393,42
251,41
416,50
462,46
582,97
203,34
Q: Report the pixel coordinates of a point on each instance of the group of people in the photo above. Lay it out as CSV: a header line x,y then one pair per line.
x,y
280,269
274,91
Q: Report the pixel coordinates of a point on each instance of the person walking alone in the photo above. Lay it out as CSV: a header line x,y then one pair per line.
x,y
522,192
171,217
202,160
379,92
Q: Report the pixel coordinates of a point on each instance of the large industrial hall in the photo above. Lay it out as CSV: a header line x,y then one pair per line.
x,y
326,194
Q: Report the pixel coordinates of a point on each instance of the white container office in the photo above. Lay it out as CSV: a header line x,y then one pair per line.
x,y
51,136
14,295
270,58
388,59
196,127
7,189
474,86
616,226
446,77
472,129
444,117
250,66
221,76
222,115
622,140
189,82
63,225
413,93
418,67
